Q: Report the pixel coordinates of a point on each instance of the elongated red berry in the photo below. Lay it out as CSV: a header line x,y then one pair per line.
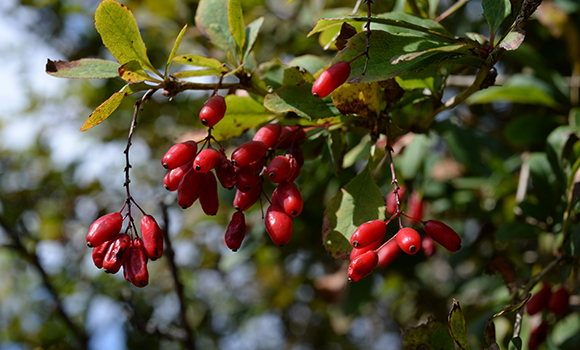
x,y
152,237
388,253
208,196
213,111
206,160
99,254
246,178
559,301
538,336
268,134
290,136
279,169
225,171
330,79
179,154
189,188
415,206
104,229
249,152
290,198
443,235
135,267
173,177
368,233
540,300
362,266
236,231
409,240
359,251
117,253
244,200
278,225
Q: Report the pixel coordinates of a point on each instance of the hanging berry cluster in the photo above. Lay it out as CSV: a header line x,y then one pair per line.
x,y
556,303
190,174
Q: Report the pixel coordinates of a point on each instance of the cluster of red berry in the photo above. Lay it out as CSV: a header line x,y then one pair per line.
x,y
113,249
556,302
190,175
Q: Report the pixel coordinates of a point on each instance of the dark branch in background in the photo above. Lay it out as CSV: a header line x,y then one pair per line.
x,y
368,27
47,283
189,340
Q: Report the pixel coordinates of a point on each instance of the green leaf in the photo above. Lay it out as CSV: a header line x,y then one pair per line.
x,y
489,334
236,22
386,46
197,73
514,94
516,230
110,105
310,63
409,56
573,243
133,72
299,99
431,335
252,31
120,34
174,49
212,21
337,146
359,201
457,326
392,22
495,12
199,61
242,114
512,308
515,344
413,156
85,68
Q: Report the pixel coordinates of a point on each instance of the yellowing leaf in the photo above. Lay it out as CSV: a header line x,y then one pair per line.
x,y
133,72
358,98
85,68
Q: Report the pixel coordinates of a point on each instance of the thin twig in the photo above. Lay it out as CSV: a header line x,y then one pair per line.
x,y
189,341
47,283
394,180
451,10
368,34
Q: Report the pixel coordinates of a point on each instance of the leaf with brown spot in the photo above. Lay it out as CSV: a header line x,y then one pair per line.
x,y
133,72
358,98
85,68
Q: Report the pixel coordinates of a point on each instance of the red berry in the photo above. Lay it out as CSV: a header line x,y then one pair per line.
x,y
443,235
415,206
388,253
206,160
278,225
152,237
362,266
258,165
290,136
392,200
117,253
249,152
213,111
409,240
428,246
368,233
540,300
225,171
559,301
104,229
279,169
99,254
236,231
208,196
246,178
179,154
268,134
330,79
189,188
174,176
359,251
244,200
538,336
135,267
290,198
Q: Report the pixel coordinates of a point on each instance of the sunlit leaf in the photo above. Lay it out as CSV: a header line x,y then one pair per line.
x,y
252,31
236,22
211,19
120,33
199,61
513,40
111,104
359,201
409,56
85,68
197,73
175,47
133,72
242,114
514,94
355,98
